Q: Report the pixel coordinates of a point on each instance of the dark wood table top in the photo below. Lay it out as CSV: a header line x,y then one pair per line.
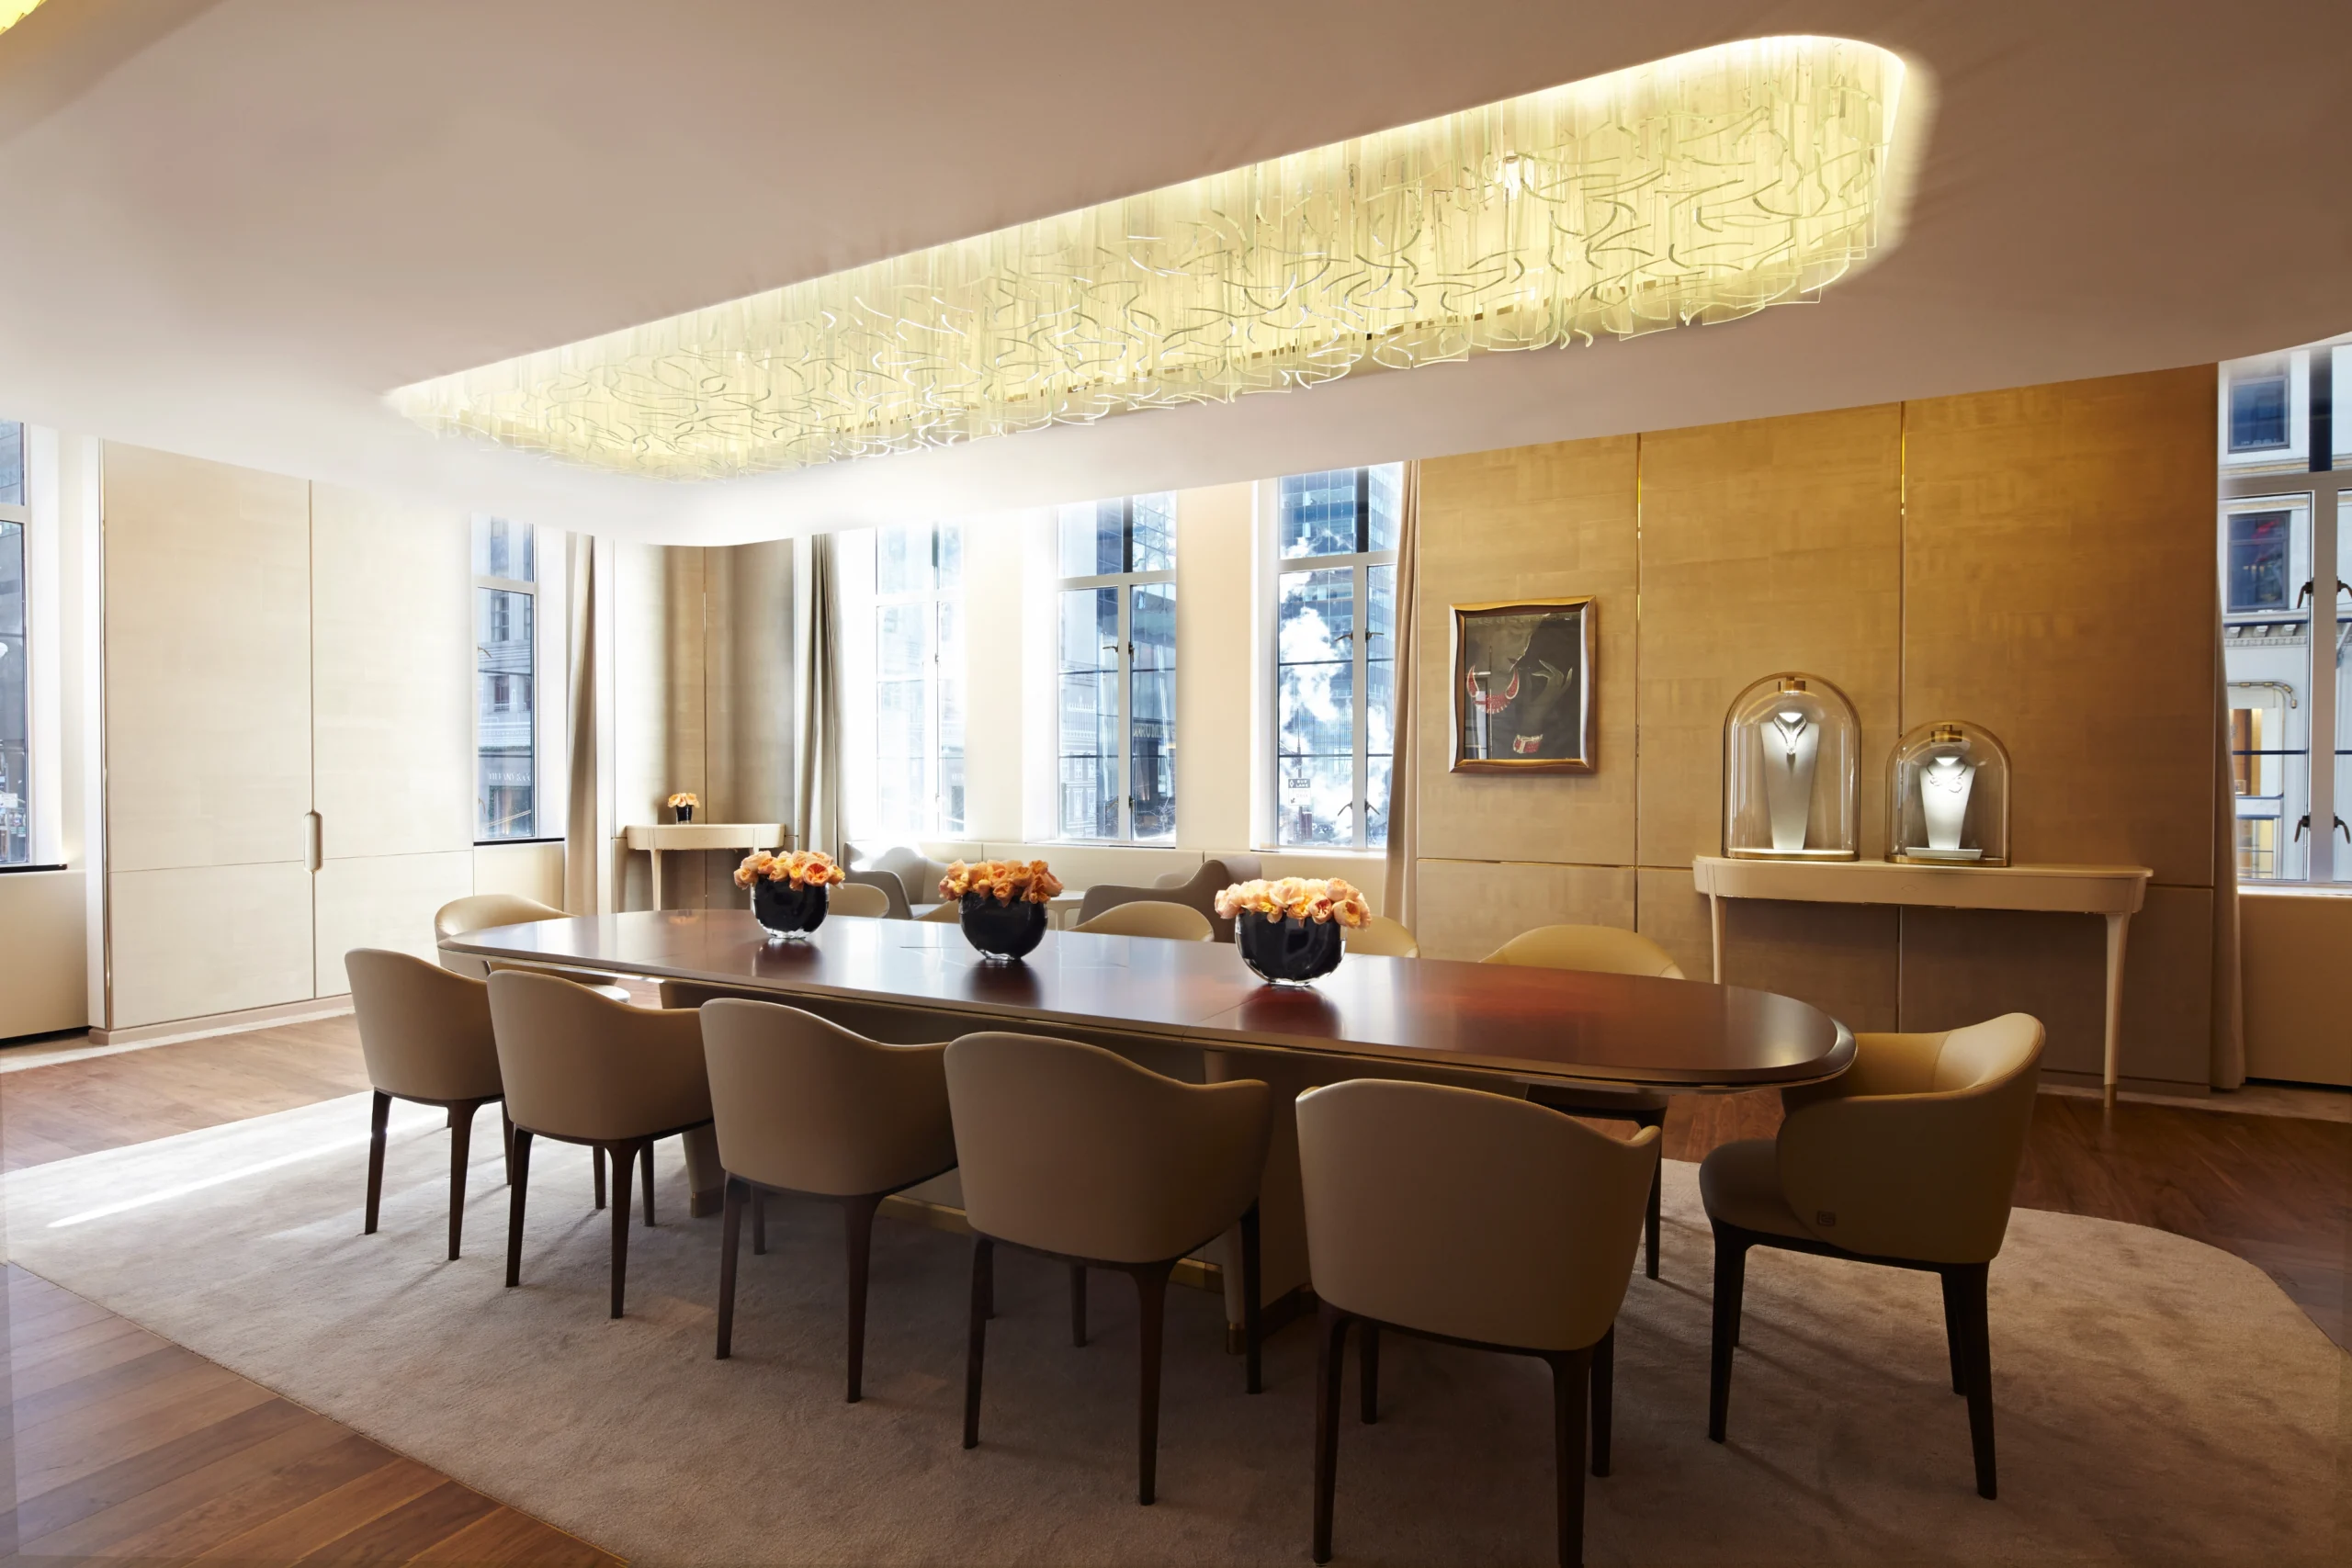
x,y
1531,1024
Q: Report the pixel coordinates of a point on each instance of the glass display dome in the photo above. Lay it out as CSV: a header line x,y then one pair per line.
x,y
1790,746
1948,797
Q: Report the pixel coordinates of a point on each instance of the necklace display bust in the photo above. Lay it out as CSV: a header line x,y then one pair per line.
x,y
1790,743
1943,800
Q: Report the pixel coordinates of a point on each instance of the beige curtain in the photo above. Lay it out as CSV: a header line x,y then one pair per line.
x,y
817,800
1396,895
584,850
2227,1065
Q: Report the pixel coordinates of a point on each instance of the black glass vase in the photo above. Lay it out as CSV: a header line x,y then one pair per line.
x,y
1288,951
1001,931
686,813
789,910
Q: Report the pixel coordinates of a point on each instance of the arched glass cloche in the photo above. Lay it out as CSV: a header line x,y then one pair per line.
x,y
1948,797
1790,747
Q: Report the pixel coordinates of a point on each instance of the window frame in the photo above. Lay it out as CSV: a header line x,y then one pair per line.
x,y
537,643
1273,567
935,598
20,514
1126,582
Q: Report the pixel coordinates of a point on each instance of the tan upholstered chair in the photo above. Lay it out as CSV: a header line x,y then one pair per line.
x,y
1149,917
905,869
1474,1219
1908,1158
943,914
479,912
807,1106
1382,938
1199,890
582,1068
1076,1152
425,1033
1600,949
858,901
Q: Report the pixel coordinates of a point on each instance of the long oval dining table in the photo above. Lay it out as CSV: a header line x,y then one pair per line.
x,y
1195,1010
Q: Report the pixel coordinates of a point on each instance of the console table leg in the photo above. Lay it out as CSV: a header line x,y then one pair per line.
x,y
1715,926
2116,927
657,877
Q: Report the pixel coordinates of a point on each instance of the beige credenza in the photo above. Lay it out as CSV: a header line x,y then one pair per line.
x,y
288,733
658,839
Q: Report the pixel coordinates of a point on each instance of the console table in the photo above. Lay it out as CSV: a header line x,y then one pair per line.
x,y
654,837
2113,891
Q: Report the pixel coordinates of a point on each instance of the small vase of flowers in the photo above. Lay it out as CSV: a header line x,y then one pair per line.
x,y
1289,930
788,890
1000,904
683,804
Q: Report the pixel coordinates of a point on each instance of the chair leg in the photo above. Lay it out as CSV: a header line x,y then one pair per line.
x,y
1976,1323
983,1293
730,1232
1330,1347
1078,1305
514,1194
1651,1222
380,1113
1571,1375
1368,1373
624,1166
506,1138
1152,1293
1955,1338
857,1224
461,1137
1731,1270
759,1222
1253,1325
645,1163
1604,1398
596,1157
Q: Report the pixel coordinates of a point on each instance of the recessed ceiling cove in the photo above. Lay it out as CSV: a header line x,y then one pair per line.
x,y
1694,189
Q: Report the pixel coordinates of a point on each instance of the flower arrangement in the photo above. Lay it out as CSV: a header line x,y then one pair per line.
x,y
1004,880
1300,897
801,868
687,798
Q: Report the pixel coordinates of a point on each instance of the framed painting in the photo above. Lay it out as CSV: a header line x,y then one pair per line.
x,y
1522,687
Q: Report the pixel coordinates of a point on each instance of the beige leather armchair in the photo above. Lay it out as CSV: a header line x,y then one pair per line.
x,y
1474,1219
1908,1159
904,873
1199,892
1382,938
1071,1151
582,1068
425,1033
1600,949
859,901
806,1107
479,912
1149,917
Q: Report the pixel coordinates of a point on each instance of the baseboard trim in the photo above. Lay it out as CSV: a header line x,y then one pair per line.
x,y
2061,1077
171,1032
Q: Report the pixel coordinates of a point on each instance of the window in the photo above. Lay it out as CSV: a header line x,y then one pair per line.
x,y
2283,538
918,680
15,663
1334,655
1116,756
506,666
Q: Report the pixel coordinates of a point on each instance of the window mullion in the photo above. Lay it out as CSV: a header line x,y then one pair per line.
x,y
1124,730
1361,617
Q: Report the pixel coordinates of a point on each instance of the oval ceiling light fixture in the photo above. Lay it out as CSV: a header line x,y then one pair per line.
x,y
1696,189
15,11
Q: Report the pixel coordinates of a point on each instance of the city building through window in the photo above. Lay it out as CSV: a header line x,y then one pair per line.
x,y
506,666
1116,739
16,661
919,681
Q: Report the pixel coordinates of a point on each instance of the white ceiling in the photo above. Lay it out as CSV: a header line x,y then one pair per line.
x,y
233,225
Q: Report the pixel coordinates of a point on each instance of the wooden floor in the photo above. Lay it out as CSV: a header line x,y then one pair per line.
x,y
121,1446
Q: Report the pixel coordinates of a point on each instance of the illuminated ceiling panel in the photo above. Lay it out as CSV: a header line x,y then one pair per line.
x,y
1695,189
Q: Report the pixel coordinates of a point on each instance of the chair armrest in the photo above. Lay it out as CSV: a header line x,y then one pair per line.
x,y
1926,1177
1883,1064
892,888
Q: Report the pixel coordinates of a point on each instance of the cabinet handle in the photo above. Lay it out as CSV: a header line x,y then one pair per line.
x,y
314,851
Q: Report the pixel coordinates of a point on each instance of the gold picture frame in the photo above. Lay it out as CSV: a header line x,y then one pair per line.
x,y
1516,663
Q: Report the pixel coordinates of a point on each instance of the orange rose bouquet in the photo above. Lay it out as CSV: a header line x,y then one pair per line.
x,y
1006,881
800,868
1297,898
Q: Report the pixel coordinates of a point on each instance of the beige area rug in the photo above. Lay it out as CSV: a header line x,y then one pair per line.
x,y
2158,1401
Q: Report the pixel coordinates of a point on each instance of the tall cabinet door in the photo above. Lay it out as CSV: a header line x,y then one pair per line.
x,y
393,721
208,736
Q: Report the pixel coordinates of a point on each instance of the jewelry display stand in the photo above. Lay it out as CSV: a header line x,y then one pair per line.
x,y
1948,796
1789,745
